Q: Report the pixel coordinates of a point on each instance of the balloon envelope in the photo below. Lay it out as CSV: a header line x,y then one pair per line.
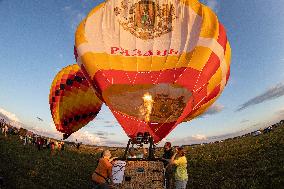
x,y
73,103
155,63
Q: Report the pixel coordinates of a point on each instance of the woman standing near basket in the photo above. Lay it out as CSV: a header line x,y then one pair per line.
x,y
181,176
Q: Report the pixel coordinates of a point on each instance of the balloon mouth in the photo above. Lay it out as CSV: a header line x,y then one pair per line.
x,y
160,103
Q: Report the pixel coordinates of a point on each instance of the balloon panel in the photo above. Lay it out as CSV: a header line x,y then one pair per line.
x,y
73,103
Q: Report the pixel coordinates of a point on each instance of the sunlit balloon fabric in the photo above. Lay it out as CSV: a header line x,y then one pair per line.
x,y
154,63
73,102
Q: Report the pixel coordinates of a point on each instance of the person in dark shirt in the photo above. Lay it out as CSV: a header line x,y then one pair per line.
x,y
168,153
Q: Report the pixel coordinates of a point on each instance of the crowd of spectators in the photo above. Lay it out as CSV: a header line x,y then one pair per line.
x,y
7,129
29,138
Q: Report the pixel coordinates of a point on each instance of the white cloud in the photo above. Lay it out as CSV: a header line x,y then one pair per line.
x,y
272,93
278,115
214,109
199,137
81,136
85,137
9,115
194,139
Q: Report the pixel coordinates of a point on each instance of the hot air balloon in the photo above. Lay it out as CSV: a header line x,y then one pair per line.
x,y
73,103
155,64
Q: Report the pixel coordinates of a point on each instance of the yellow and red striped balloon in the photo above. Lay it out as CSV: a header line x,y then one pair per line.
x,y
73,103
154,63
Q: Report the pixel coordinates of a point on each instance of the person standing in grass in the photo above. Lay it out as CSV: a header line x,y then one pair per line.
x,y
52,148
62,146
166,158
25,140
181,176
102,177
5,130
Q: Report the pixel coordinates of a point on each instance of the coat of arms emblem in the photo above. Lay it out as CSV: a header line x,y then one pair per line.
x,y
146,19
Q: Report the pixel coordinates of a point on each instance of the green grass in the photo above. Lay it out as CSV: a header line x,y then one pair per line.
x,y
26,167
248,162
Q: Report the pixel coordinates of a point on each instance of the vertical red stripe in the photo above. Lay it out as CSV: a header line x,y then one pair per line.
x,y
222,38
75,53
228,75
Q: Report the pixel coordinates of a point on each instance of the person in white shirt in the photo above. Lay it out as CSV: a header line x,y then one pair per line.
x,y
5,130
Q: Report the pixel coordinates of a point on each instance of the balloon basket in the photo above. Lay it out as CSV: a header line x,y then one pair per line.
x,y
141,172
140,140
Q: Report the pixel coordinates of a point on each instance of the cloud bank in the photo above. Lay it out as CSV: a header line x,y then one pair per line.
x,y
10,118
85,137
8,115
82,136
270,94
214,109
194,139
278,115
199,137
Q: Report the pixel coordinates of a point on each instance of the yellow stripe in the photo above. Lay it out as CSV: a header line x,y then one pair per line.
x,y
200,57
76,100
196,59
80,34
228,54
214,81
210,24
93,64
96,61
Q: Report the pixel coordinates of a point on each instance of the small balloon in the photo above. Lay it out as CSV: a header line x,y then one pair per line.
x,y
73,103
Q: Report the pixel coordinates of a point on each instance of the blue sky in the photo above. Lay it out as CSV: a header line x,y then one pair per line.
x,y
37,40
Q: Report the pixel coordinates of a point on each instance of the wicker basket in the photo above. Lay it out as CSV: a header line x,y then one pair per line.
x,y
143,175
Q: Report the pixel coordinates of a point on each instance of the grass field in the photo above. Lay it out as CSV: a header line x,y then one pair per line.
x,y
247,162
